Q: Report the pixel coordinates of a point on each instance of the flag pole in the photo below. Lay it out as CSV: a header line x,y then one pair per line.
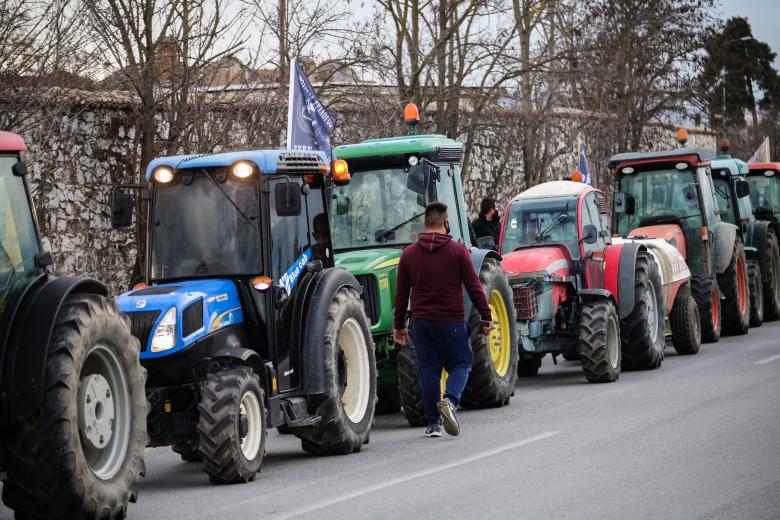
x,y
290,108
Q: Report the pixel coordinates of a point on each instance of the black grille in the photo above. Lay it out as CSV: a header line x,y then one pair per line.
x,y
151,291
192,318
300,162
141,324
370,296
450,153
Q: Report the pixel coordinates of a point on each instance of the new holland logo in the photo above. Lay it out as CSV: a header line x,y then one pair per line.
x,y
140,304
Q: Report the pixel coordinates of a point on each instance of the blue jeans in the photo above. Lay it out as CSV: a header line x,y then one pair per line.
x,y
441,346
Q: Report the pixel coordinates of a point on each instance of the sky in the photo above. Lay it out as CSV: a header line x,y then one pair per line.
x,y
763,16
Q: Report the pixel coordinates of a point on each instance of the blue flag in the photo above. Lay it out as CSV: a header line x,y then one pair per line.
x,y
583,167
309,124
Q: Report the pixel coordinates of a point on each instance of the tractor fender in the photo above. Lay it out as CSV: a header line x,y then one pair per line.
x,y
723,244
620,272
241,356
28,346
757,249
478,257
326,283
589,295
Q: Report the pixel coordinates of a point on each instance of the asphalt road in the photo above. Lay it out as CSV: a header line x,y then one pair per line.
x,y
697,439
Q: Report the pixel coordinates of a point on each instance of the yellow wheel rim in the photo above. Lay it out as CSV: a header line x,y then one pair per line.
x,y
499,339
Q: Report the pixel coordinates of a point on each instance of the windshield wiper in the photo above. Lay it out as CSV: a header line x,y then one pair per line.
x,y
545,233
232,202
380,234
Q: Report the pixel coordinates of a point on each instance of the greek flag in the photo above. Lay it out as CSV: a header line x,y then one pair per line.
x,y
309,124
583,166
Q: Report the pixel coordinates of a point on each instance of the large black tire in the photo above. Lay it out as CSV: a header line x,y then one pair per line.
x,y
705,291
756,287
529,367
599,340
409,385
492,382
733,283
772,278
222,427
686,325
642,332
347,408
388,400
53,470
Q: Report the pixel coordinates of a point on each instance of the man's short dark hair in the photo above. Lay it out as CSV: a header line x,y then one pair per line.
x,y
487,204
435,214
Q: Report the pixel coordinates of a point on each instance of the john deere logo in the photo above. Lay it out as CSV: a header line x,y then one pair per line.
x,y
140,304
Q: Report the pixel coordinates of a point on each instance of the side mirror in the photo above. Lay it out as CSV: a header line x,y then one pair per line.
x,y
287,196
630,205
743,189
620,202
342,204
487,242
122,205
589,234
419,177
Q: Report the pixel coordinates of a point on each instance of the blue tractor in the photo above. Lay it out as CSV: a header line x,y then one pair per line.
x,y
244,322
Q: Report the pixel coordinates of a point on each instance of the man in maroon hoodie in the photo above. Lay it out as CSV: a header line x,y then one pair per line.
x,y
435,269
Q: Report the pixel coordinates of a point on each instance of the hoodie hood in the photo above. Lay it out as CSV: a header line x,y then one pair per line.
x,y
430,242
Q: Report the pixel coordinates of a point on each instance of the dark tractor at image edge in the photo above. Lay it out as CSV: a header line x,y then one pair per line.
x,y
243,320
72,406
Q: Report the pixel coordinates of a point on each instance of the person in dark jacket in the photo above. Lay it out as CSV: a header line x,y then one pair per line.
x,y
436,268
488,224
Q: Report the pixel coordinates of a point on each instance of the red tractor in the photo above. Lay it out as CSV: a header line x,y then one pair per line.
x,y
580,295
670,195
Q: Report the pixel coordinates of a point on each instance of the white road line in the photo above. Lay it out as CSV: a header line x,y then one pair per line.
x,y
412,476
767,360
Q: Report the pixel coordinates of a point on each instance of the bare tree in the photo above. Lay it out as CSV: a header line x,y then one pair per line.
x,y
43,55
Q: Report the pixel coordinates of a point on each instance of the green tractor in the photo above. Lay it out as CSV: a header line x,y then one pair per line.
x,y
72,402
380,213
764,179
732,191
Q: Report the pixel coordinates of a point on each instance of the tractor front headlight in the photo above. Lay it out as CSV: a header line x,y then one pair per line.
x,y
165,333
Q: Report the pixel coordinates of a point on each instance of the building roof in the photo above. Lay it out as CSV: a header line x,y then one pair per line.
x,y
268,161
395,145
555,189
695,154
11,142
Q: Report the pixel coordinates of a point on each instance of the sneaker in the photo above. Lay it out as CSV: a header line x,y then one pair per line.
x,y
434,430
447,411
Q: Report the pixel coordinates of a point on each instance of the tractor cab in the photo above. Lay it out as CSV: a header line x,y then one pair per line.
x,y
764,180
732,192
242,309
560,223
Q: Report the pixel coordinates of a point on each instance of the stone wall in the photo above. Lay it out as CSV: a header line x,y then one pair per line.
x,y
84,149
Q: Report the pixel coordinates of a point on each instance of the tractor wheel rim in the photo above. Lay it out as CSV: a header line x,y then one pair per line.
x,y
652,313
715,304
352,343
613,342
250,409
104,412
499,338
742,292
